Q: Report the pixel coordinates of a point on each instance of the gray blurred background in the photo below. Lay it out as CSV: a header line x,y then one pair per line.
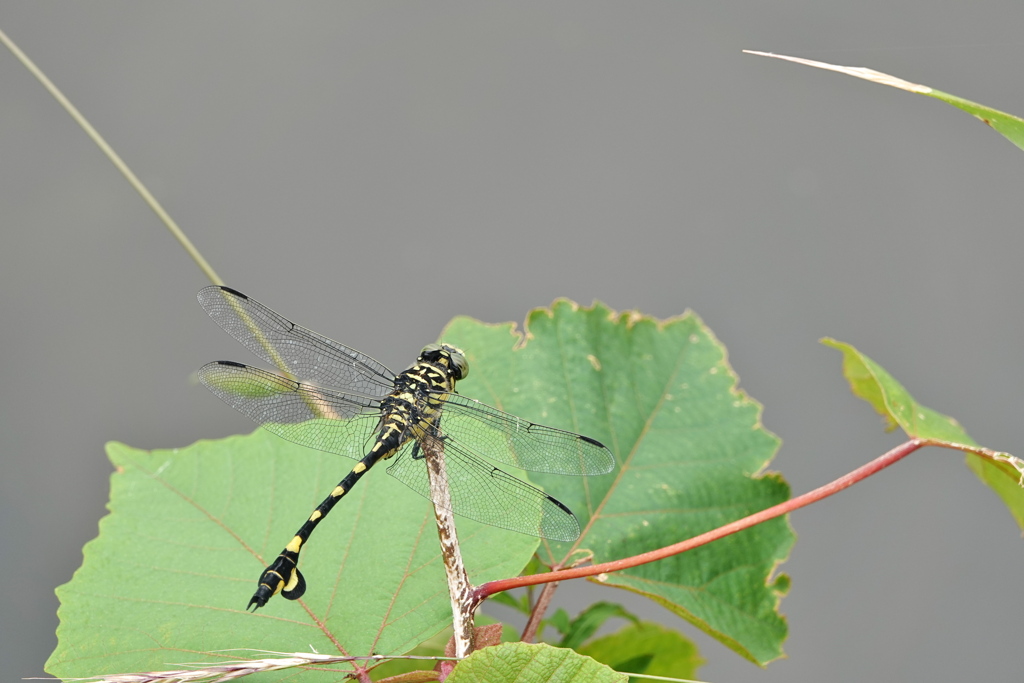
x,y
499,155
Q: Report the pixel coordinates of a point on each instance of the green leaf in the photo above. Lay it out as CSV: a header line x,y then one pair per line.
x,y
1010,126
647,648
559,620
190,530
591,619
518,662
871,382
690,449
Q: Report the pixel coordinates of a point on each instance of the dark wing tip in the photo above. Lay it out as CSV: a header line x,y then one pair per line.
x,y
608,460
233,291
566,529
210,289
560,504
229,363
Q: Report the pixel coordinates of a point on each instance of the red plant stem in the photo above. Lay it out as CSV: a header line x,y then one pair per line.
x,y
895,455
540,608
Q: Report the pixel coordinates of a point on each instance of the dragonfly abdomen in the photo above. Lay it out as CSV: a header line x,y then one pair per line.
x,y
409,412
283,575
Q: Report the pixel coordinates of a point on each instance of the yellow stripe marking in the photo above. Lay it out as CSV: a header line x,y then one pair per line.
x,y
294,545
338,491
360,467
293,581
315,516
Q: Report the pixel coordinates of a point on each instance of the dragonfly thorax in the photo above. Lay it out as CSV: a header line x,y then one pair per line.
x,y
413,408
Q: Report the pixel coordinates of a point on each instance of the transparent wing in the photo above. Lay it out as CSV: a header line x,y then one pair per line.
x,y
321,419
486,431
488,495
293,348
346,424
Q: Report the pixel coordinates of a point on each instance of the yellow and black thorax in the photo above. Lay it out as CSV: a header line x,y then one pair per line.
x,y
412,410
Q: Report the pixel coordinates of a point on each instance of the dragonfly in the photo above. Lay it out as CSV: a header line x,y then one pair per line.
x,y
330,397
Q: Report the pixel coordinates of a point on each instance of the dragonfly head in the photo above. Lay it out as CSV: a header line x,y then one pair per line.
x,y
451,356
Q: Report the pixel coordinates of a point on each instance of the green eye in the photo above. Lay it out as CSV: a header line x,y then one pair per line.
x,y
459,361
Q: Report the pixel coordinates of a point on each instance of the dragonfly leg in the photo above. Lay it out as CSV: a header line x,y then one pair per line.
x,y
417,453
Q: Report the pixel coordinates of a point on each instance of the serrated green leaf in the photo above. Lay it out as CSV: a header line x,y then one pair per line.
x,y
518,662
871,382
190,530
689,446
647,648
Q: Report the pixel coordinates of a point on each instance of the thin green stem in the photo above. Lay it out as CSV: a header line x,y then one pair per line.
x,y
114,158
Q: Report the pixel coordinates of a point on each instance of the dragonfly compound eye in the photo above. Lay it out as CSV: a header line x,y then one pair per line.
x,y
459,362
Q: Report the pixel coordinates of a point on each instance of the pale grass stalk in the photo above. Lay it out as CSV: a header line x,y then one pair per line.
x,y
114,159
229,671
